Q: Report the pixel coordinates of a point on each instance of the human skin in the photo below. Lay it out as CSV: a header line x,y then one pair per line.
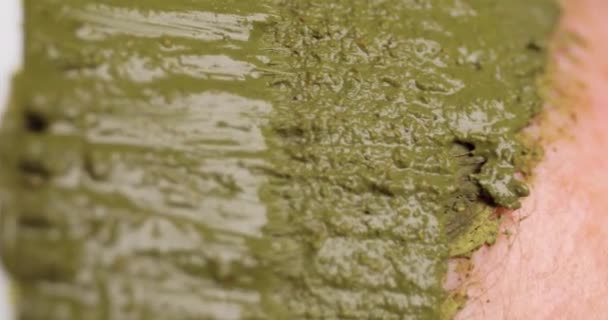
x,y
551,257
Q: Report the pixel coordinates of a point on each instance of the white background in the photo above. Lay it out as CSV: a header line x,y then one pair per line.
x,y
10,59
10,48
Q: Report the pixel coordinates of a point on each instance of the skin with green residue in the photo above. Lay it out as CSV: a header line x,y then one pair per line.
x,y
288,159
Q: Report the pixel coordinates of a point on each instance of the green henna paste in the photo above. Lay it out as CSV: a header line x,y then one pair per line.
x,y
262,159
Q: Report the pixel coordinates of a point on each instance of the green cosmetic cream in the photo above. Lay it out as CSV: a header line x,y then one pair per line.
x,y
232,159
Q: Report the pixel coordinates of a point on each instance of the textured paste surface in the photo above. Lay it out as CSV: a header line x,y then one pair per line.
x,y
233,160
